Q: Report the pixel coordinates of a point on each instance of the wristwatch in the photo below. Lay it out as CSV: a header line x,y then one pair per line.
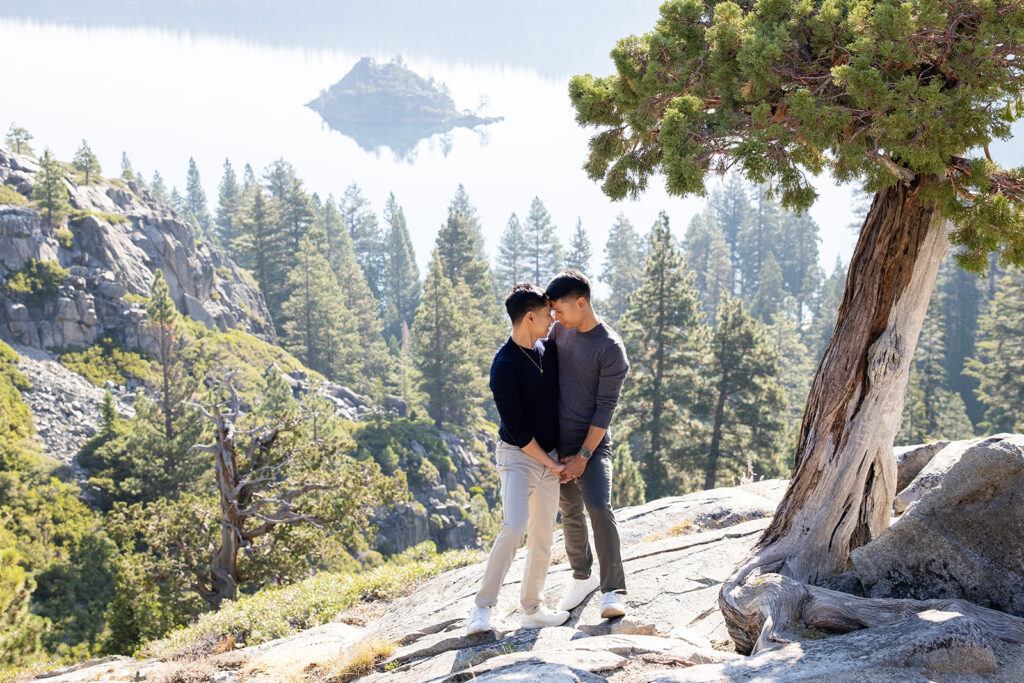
x,y
585,453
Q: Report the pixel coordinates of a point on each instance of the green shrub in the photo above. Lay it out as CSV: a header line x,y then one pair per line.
x,y
106,360
373,441
37,282
275,612
425,475
138,299
65,238
8,195
112,218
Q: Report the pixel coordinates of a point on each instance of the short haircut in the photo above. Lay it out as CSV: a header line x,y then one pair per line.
x,y
570,283
522,299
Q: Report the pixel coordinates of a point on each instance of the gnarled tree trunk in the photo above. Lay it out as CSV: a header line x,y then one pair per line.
x,y
844,474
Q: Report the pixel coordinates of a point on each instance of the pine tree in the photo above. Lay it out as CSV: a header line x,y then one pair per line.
x,y
248,178
108,414
627,485
732,212
460,246
196,211
158,188
50,193
623,268
541,249
931,411
367,238
665,344
964,301
770,293
18,138
336,243
510,268
761,237
292,206
998,363
262,247
85,162
318,328
798,258
401,274
707,257
450,375
580,254
796,370
165,323
743,400
127,172
229,197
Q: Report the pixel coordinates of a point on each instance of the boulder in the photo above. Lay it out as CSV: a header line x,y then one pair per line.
x,y
928,646
910,460
961,537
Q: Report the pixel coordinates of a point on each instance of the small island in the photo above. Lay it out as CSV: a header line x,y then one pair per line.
x,y
388,105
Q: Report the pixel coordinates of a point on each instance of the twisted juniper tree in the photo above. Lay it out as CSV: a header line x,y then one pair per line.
x,y
896,93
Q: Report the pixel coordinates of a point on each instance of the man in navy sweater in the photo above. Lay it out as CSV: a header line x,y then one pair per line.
x,y
593,366
524,381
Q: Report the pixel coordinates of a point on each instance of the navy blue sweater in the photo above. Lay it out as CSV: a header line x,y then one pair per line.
x,y
527,400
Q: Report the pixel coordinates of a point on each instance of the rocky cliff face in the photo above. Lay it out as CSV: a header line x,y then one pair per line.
x,y
118,238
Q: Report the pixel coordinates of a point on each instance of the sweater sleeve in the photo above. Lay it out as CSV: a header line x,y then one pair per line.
x,y
509,401
613,366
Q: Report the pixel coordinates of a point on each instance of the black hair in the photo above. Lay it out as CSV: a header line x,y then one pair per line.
x,y
570,283
522,299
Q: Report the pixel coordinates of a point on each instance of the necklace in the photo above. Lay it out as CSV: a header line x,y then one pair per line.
x,y
535,363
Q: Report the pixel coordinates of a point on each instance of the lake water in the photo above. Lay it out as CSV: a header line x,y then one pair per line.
x,y
164,85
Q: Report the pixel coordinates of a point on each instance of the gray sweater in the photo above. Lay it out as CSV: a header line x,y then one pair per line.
x,y
591,368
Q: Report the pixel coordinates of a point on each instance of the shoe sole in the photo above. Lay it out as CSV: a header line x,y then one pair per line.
x,y
476,631
612,612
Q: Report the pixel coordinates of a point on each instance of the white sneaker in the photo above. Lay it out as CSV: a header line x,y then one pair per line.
x,y
577,590
479,620
612,606
544,617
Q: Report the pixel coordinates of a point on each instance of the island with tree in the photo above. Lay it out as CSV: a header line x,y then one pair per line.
x,y
389,105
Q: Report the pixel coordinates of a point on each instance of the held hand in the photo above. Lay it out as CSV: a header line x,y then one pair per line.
x,y
556,468
574,467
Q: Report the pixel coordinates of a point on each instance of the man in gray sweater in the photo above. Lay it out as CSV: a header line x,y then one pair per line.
x,y
592,366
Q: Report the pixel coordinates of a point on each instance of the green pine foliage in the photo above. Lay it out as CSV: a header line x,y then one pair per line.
x,y
448,356
510,268
318,327
665,343
367,238
86,163
784,92
628,486
50,192
108,361
18,138
708,257
196,211
543,255
742,400
229,200
998,363
623,268
580,253
401,287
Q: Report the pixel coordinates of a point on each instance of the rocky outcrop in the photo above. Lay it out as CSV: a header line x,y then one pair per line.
x,y
960,536
677,552
117,239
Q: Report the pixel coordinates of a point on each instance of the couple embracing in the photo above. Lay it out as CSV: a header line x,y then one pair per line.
x,y
555,387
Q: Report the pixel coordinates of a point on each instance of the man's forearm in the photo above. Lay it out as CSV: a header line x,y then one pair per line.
x,y
534,450
594,436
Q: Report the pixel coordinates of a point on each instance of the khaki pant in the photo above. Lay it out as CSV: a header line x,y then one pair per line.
x,y
529,499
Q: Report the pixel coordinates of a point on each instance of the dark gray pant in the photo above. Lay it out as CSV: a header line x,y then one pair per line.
x,y
593,492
